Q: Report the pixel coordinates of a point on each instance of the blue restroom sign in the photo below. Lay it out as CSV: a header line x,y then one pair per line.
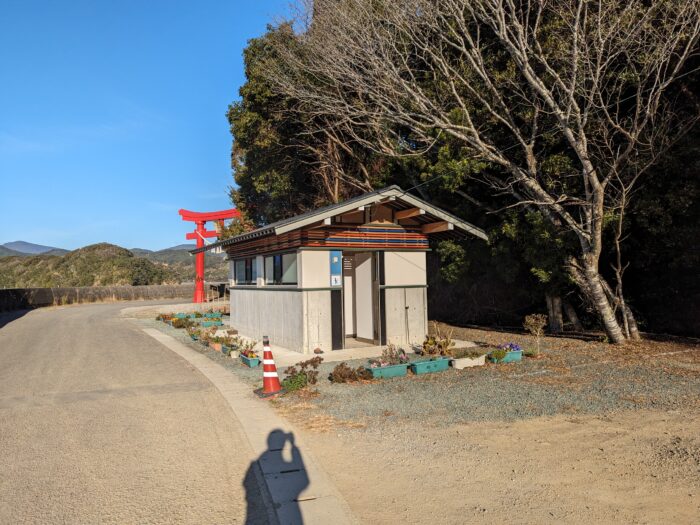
x,y
336,260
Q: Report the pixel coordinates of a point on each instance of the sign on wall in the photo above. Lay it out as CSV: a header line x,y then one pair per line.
x,y
336,261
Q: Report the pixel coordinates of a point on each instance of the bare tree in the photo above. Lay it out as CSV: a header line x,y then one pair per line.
x,y
560,97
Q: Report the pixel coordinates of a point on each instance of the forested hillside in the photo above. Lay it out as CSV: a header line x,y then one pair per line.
x,y
592,220
179,261
101,265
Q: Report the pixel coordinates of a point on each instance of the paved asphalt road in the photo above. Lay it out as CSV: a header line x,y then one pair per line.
x,y
99,423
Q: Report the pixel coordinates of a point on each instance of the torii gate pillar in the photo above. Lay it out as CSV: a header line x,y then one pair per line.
x,y
199,234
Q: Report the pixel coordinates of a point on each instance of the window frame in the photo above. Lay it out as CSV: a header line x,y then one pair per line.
x,y
275,262
249,271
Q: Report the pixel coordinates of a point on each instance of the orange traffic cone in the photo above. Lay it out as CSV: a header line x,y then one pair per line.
x,y
271,381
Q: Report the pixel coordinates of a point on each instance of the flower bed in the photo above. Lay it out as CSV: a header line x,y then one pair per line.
x,y
439,364
392,363
507,353
383,372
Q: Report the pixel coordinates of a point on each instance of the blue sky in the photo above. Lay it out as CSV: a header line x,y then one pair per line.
x,y
112,115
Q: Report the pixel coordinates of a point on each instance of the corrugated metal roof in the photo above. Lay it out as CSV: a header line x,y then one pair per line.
x,y
313,216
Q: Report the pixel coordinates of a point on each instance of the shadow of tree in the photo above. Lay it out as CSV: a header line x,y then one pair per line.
x,y
7,317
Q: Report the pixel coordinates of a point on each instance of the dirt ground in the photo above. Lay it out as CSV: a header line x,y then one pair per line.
x,y
620,466
635,467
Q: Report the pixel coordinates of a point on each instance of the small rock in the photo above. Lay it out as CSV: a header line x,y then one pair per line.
x,y
318,351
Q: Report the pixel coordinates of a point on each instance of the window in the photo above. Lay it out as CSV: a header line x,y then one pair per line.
x,y
245,271
281,269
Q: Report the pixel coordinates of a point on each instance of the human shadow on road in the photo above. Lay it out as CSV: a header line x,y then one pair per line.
x,y
284,479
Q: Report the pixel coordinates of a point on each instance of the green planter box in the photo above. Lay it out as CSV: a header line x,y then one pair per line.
x,y
511,357
388,371
429,366
248,361
216,315
180,316
207,324
194,337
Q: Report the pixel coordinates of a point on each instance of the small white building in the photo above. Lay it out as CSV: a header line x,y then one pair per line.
x,y
347,275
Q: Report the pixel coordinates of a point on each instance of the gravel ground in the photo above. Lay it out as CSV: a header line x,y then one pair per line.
x,y
572,377
590,433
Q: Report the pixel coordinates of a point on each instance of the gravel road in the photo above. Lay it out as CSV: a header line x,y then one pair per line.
x,y
101,424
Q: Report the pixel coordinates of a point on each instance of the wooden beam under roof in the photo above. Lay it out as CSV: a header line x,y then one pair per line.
x,y
437,227
353,216
410,212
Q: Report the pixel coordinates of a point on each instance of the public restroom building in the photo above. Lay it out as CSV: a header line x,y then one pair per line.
x,y
346,275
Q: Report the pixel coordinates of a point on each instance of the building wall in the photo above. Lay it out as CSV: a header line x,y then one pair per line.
x,y
314,268
317,321
256,312
405,297
406,326
405,268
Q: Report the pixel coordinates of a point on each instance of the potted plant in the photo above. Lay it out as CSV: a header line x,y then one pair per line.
x,y
248,355
467,358
506,353
438,349
180,322
392,363
250,358
194,333
215,343
232,347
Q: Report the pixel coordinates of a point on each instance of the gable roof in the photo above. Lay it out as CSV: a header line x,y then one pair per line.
x,y
393,195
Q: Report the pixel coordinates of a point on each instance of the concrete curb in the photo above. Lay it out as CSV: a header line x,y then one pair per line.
x,y
318,502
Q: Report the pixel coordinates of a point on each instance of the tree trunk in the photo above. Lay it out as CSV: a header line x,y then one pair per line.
x,y
596,294
556,320
572,316
632,322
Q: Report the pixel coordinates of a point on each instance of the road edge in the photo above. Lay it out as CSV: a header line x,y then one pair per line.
x,y
321,502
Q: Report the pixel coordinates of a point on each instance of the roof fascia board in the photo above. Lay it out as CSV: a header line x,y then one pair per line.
x,y
429,208
352,206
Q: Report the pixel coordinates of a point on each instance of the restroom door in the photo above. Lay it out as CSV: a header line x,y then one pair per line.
x,y
364,297
349,295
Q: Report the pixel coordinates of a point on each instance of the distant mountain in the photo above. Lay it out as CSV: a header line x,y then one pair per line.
x,y
182,247
105,264
140,251
7,252
31,248
97,265
180,261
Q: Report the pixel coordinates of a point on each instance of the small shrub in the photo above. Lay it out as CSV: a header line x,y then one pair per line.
x,y
535,324
182,323
306,374
391,355
343,373
437,344
467,352
531,352
498,354
295,382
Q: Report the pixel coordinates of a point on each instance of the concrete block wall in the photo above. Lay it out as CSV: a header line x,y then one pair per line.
x,y
317,321
256,312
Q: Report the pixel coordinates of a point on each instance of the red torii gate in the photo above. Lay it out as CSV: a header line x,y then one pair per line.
x,y
199,234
